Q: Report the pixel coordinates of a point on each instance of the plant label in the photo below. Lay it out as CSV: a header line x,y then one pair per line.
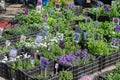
x,y
85,35
96,36
13,53
78,29
45,33
77,36
39,2
60,36
59,15
1,31
117,28
7,43
44,62
56,27
32,61
88,1
57,6
66,6
45,18
96,24
51,12
39,38
62,44
86,78
115,42
38,9
22,38
26,12
112,2
116,21
46,27
56,66
88,20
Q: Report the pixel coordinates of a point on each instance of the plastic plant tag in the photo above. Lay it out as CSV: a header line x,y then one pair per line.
x,y
86,78
96,24
1,31
51,12
112,2
45,18
39,38
43,62
7,43
13,52
57,6
38,8
88,20
115,42
85,35
59,15
116,21
78,30
32,61
117,28
22,38
59,36
45,33
39,2
56,27
46,27
56,67
26,12
62,44
96,36
77,36
88,1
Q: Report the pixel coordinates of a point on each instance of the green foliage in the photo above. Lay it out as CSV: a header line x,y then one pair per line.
x,y
98,48
65,75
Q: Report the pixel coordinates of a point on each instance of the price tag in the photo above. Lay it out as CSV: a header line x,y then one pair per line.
x,y
117,28
13,53
1,31
57,6
44,62
77,36
23,38
39,38
116,21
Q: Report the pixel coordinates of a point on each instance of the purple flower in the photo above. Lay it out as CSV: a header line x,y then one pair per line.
x,y
72,5
117,29
107,8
